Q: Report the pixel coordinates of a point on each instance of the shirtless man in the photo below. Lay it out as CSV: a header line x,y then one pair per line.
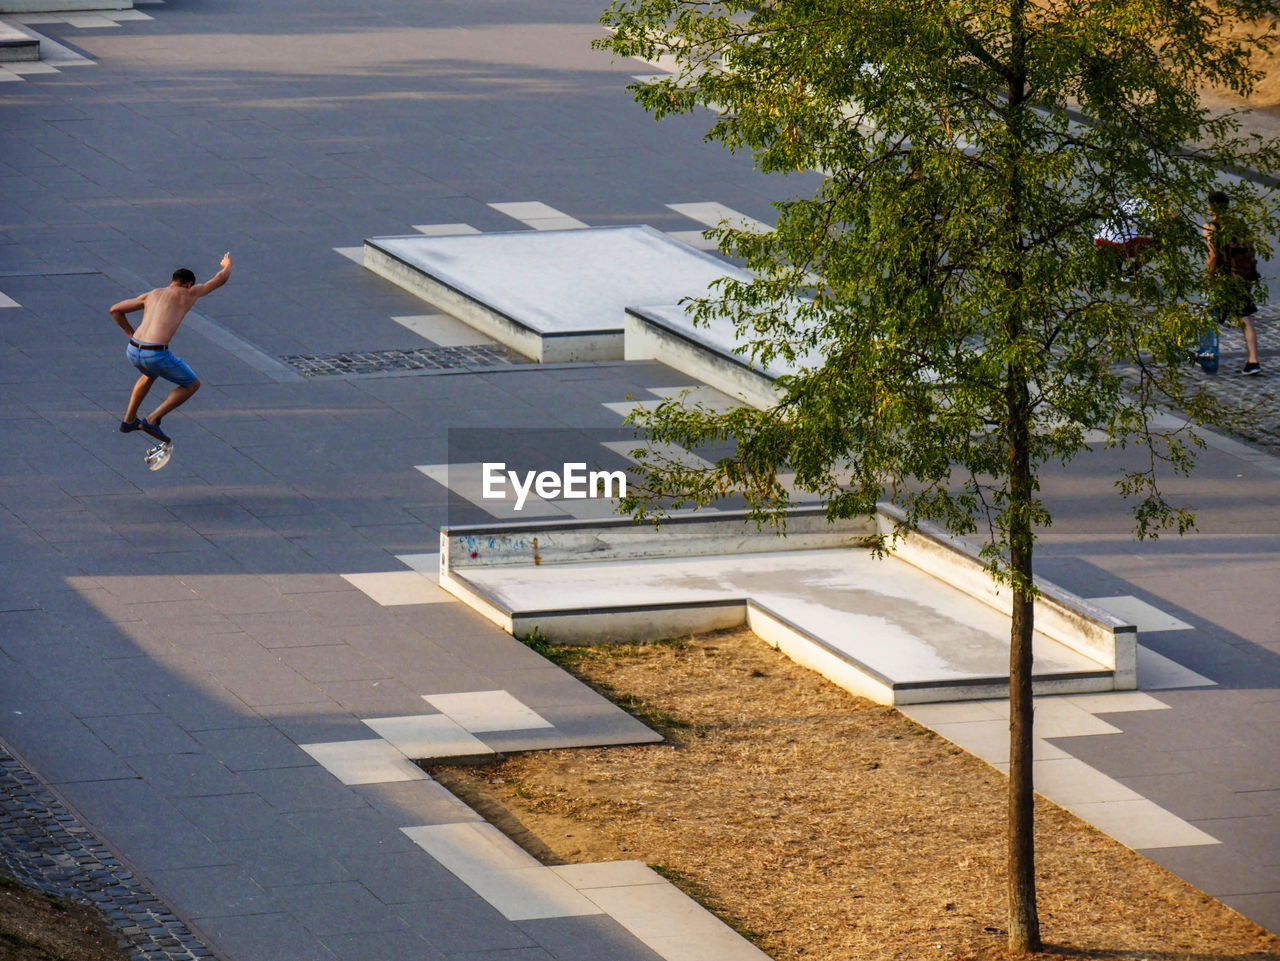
x,y
162,312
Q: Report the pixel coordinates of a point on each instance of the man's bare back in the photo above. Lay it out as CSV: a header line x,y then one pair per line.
x,y
163,310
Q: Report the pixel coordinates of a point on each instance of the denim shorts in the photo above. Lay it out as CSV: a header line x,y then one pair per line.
x,y
161,363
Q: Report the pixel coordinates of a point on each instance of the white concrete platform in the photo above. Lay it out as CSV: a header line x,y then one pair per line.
x,y
553,295
16,46
921,625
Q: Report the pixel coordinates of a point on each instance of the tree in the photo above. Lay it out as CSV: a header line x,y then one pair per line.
x,y
967,328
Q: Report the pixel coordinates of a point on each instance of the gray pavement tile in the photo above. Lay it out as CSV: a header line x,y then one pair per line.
x,y
384,697
336,907
1218,869
295,628
587,939
1193,798
260,682
278,937
233,817
1260,836
331,663
1253,767
1263,909
464,925
414,803
406,877
57,744
135,817
283,861
315,722
302,789
210,708
399,944
257,748
504,954
177,673
1122,757
233,594
215,891
344,832
491,650
186,775
139,734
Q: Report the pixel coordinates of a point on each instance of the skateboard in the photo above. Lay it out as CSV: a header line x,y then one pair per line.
x,y
1207,351
158,455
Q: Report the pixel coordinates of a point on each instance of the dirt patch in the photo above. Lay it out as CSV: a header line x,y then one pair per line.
x,y
37,927
827,827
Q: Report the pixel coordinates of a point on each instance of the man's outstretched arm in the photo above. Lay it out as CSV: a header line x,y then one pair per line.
x,y
217,280
120,310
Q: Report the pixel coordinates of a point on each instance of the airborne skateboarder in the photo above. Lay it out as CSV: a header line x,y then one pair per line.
x,y
163,310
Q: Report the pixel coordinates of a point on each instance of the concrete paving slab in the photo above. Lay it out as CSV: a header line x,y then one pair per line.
x,y
217,891
1140,824
427,736
416,802
587,939
393,588
372,761
483,711
279,936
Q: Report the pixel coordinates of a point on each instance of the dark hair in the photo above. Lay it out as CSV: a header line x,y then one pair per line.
x,y
1219,200
184,276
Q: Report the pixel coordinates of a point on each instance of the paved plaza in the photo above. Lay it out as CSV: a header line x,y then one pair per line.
x,y
214,678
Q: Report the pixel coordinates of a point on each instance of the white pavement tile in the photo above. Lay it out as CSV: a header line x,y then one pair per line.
x,y
500,872
7,77
351,253
445,230
672,924
394,588
1145,617
373,761
88,21
1057,717
1157,673
671,452
1070,781
1141,824
427,736
608,874
444,331
1116,702
6,301
695,395
36,67
713,215
467,480
539,216
989,740
481,711
423,563
955,712
122,15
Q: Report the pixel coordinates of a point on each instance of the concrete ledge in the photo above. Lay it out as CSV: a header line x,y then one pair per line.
x,y
614,539
553,295
1059,614
667,336
1080,649
16,46
62,6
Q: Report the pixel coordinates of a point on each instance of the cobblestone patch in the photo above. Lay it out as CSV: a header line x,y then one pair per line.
x,y
422,358
46,848
1258,395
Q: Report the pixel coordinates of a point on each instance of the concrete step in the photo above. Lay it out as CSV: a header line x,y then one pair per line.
x,y
16,46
